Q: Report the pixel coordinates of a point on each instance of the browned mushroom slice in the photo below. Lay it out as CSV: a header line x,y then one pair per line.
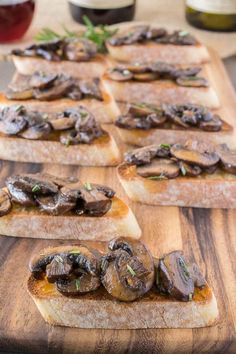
x,y
59,89
185,72
144,155
193,156
57,204
93,201
213,125
79,49
18,196
21,93
141,110
39,131
148,76
189,170
197,276
129,36
227,158
84,283
154,33
5,202
177,38
173,277
192,81
42,80
136,68
159,167
13,120
91,88
162,69
59,268
119,74
107,191
33,183
62,122
128,270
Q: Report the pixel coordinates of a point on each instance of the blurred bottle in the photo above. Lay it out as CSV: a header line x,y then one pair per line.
x,y
104,12
213,15
15,18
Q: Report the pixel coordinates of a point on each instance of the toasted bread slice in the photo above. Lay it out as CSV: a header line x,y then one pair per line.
x,y
100,310
161,91
32,223
101,152
141,137
149,52
217,190
86,69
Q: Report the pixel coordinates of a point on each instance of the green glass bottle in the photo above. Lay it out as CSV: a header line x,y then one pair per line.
x,y
212,15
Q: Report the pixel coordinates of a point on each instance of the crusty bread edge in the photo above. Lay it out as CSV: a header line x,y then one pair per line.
x,y
209,191
118,221
101,152
107,313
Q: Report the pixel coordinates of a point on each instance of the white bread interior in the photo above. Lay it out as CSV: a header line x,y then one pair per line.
x,y
100,310
101,152
32,223
217,190
149,52
161,91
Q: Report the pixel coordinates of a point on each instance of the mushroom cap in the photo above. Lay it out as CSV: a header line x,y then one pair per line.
x,y
5,202
159,167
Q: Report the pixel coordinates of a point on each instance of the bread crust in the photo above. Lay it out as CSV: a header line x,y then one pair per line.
x,y
86,69
100,310
158,92
149,52
101,152
210,191
32,223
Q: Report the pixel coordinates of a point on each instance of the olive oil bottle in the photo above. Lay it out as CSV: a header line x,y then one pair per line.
x,y
213,15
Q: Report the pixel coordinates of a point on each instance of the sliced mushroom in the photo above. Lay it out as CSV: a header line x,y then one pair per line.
x,y
60,88
193,156
41,80
144,155
119,74
93,201
132,35
23,93
192,81
57,204
227,158
5,202
19,196
39,131
189,170
147,76
79,49
33,183
154,33
185,72
173,277
107,191
213,125
90,88
162,69
197,276
12,120
177,38
128,270
59,268
136,68
141,110
159,167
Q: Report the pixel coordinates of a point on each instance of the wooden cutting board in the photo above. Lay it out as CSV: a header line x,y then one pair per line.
x,y
207,236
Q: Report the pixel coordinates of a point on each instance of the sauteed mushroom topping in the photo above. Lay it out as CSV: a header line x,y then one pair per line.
x,y
185,76
58,196
144,116
17,120
142,34
127,270
47,87
5,202
72,49
73,269
164,161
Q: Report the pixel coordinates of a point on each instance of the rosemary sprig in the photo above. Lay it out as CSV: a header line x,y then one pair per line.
x,y
98,34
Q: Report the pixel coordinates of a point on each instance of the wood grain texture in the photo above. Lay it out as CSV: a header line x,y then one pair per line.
x,y
207,236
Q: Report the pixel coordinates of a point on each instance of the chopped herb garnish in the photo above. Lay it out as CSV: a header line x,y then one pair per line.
x,y
36,188
183,33
77,284
58,259
18,108
165,146
67,143
184,268
88,186
160,177
130,269
74,252
183,170
190,297
45,116
126,72
83,114
192,78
